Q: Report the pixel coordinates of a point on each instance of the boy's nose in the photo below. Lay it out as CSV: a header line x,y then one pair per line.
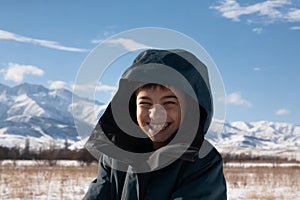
x,y
157,114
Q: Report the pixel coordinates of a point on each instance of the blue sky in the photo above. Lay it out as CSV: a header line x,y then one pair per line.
x,y
255,45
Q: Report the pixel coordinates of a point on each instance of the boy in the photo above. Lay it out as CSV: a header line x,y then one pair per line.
x,y
151,149
158,113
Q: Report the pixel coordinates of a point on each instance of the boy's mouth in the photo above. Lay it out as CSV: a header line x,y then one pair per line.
x,y
157,127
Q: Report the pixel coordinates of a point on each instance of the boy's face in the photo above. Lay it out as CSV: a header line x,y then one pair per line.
x,y
158,113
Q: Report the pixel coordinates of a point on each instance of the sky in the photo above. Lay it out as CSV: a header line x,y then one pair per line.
x,y
254,44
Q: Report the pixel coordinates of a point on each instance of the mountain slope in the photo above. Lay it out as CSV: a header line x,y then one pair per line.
x,y
259,138
41,114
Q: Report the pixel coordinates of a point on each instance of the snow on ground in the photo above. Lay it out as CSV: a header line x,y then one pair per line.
x,y
22,180
251,164
73,163
262,181
70,180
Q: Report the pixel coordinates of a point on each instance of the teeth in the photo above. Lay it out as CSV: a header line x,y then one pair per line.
x,y
154,128
158,127
165,126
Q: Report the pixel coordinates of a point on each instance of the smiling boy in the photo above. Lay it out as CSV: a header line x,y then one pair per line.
x,y
151,135
158,113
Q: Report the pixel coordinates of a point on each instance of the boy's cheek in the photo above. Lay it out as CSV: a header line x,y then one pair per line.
x,y
175,113
141,113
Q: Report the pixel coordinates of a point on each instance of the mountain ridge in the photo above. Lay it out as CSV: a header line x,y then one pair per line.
x,y
43,115
30,110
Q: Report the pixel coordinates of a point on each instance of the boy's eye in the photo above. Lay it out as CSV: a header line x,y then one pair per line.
x,y
170,103
142,102
145,104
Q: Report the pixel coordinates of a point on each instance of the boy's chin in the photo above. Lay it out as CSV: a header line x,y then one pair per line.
x,y
159,137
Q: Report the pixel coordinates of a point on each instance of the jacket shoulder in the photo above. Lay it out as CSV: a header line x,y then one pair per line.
x,y
203,178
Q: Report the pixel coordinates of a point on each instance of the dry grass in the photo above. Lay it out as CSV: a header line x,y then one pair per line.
x,y
45,182
69,182
263,183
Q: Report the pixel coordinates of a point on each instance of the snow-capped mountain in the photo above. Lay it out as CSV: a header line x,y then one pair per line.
x,y
44,115
258,138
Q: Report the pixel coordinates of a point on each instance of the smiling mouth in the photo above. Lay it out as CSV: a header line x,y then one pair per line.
x,y
158,126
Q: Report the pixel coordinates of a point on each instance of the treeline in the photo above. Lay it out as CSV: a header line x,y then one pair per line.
x,y
244,157
50,154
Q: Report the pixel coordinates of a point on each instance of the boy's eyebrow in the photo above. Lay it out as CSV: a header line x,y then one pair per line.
x,y
169,96
165,97
144,97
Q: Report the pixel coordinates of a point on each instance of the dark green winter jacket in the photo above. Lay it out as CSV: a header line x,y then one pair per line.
x,y
188,167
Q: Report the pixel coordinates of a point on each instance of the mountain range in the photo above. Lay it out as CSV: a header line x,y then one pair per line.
x,y
47,115
43,115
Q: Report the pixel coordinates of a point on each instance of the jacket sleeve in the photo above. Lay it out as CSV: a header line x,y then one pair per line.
x,y
100,187
203,179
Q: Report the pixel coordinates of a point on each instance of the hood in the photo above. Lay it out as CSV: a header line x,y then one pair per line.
x,y
117,133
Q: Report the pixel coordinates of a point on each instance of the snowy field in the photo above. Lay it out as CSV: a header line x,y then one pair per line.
x,y
31,180
69,180
263,181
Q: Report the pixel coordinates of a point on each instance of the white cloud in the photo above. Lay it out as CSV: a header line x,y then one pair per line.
x,y
128,44
237,99
108,88
256,68
295,28
266,11
89,90
16,72
109,31
293,16
282,111
59,85
82,88
257,30
93,87
5,35
97,41
85,90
